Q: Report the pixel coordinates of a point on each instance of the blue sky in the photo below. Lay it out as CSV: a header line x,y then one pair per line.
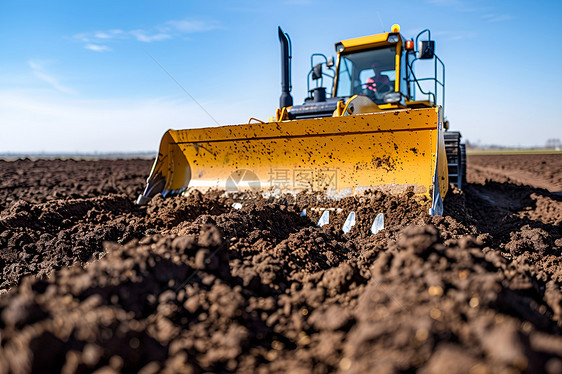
x,y
78,76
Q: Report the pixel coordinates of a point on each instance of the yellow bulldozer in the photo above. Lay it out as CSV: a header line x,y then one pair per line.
x,y
375,126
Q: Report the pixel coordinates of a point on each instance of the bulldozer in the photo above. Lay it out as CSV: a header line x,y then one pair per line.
x,y
368,123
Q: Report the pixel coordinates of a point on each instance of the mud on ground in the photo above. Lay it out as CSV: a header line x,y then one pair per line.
x,y
191,284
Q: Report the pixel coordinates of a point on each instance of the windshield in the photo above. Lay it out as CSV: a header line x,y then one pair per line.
x,y
370,73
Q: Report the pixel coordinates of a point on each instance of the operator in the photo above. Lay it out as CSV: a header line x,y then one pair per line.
x,y
378,80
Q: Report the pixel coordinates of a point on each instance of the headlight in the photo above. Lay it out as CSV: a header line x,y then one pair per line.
x,y
393,38
392,97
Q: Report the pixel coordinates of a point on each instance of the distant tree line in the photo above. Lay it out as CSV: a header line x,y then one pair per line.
x,y
553,143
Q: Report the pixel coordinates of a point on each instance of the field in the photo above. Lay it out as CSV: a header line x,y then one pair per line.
x,y
190,284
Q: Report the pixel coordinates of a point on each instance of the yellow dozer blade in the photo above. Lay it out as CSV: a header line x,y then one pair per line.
x,y
389,151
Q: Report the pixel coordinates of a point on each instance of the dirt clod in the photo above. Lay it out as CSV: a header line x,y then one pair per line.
x,y
91,282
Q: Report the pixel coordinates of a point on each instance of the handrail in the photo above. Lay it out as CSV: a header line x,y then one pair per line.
x,y
437,82
417,81
421,32
321,83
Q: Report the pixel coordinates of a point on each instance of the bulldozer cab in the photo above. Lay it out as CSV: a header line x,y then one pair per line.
x,y
371,73
375,72
382,68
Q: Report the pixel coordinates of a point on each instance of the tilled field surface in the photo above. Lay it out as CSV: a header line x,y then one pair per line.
x,y
189,284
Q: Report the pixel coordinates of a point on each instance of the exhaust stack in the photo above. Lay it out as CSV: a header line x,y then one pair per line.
x,y
286,99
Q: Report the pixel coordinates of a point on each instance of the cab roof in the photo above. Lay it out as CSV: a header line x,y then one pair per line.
x,y
365,42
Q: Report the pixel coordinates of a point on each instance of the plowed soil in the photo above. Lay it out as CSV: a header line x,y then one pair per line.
x,y
92,282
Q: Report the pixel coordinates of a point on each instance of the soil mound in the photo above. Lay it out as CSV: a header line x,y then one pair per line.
x,y
193,284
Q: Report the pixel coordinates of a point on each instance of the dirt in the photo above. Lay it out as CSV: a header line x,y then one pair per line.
x,y
537,170
39,181
92,282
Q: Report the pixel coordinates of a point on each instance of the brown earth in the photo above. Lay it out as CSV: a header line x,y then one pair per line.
x,y
190,284
537,170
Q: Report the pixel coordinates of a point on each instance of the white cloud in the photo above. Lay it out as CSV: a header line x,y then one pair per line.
x,y
83,36
457,5
39,71
467,6
141,36
497,17
190,26
455,35
96,41
108,34
97,47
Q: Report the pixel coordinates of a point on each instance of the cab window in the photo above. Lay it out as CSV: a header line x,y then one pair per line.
x,y
356,68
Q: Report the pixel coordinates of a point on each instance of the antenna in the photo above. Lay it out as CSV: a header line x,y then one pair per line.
x,y
180,86
380,19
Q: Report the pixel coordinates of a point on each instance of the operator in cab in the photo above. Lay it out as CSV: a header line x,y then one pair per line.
x,y
379,83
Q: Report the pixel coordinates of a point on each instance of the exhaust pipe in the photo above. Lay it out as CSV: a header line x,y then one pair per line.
x,y
286,99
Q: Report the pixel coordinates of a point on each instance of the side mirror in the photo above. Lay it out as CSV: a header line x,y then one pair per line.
x,y
426,49
317,72
330,62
